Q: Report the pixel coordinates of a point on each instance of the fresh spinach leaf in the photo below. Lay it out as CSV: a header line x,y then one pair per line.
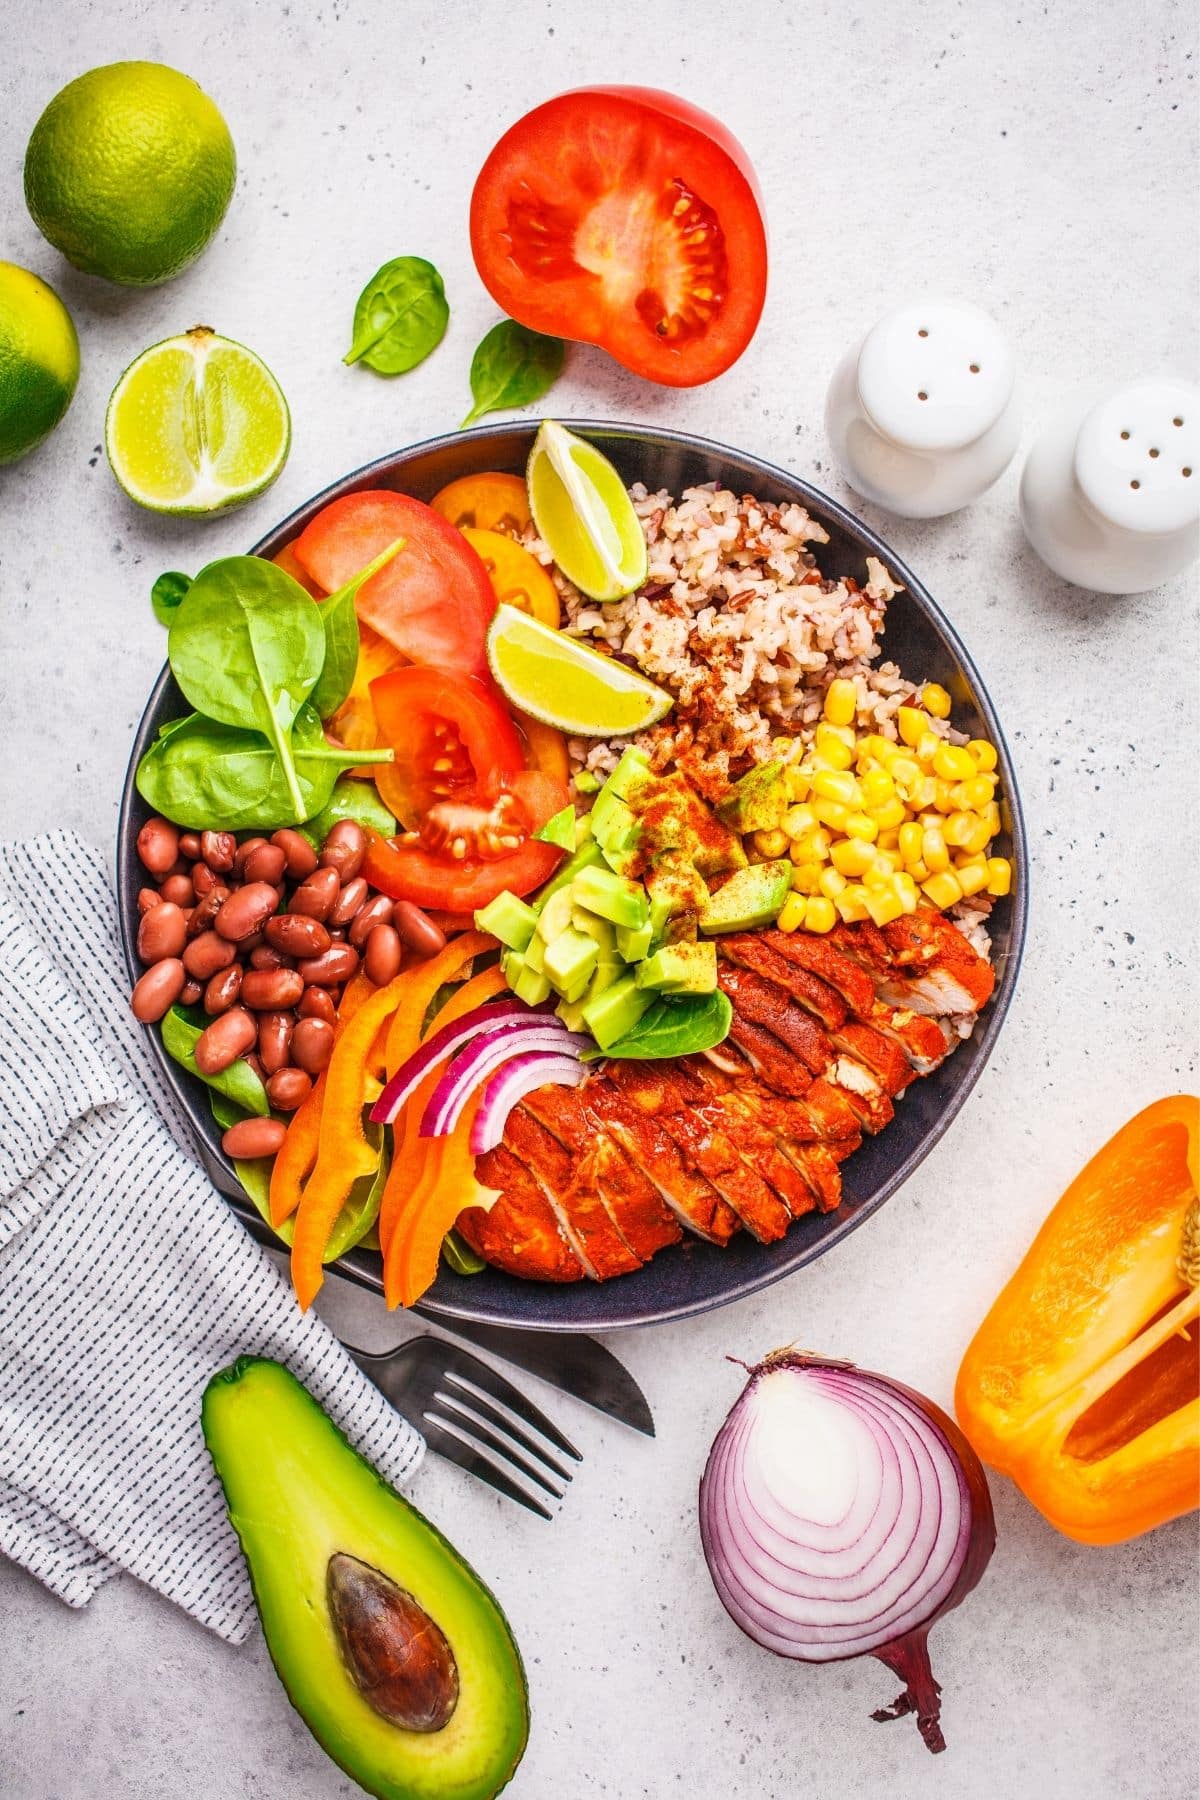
x,y
560,830
339,621
247,647
167,594
676,1025
512,367
207,776
358,1215
459,1256
401,315
225,1111
181,1028
350,799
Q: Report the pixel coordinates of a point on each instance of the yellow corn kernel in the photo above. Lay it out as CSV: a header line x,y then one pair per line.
x,y
831,884
963,859
806,877
935,700
858,825
959,828
890,815
934,853
919,872
974,795
797,783
787,749
798,819
953,764
832,754
852,903
910,836
971,879
912,724
832,813
905,889
792,913
990,814
904,770
841,702
837,784
983,754
980,834
819,914
878,876
884,905
942,889
771,843
928,747
874,748
877,786
888,840
850,856
921,792
943,795
999,875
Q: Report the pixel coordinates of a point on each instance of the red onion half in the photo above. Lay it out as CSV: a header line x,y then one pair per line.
x,y
841,1515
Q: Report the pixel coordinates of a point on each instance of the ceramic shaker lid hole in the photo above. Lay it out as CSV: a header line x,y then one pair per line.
x,y
1137,456
935,374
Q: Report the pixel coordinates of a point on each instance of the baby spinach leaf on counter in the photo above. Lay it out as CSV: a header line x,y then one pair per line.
x,y
181,1028
207,776
247,647
512,367
401,315
350,799
674,1026
339,620
166,596
559,830
459,1256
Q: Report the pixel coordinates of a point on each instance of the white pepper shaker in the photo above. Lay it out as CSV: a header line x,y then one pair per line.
x,y
1110,494
923,414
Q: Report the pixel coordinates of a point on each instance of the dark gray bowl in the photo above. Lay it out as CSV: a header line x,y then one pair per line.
x,y
694,1277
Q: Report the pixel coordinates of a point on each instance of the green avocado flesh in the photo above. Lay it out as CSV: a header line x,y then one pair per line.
x,y
298,1495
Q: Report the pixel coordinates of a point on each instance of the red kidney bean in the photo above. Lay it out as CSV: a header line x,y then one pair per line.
x,y
271,990
254,1063
246,909
338,964
157,991
274,1040
349,902
190,992
376,912
189,845
243,851
288,1089
299,855
158,845
206,954
317,894
148,897
338,934
178,890
251,1138
162,933
312,1044
381,959
222,990
417,930
317,1004
218,848
265,956
206,910
296,934
344,849
222,1042
266,862
203,879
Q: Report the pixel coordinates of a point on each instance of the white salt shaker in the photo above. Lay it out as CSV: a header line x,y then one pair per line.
x,y
923,414
1110,494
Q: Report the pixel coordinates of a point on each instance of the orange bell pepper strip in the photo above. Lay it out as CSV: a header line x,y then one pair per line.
x,y
1082,1382
404,1033
445,1186
297,1155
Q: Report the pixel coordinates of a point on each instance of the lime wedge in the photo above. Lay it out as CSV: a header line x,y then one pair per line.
x,y
567,684
196,424
584,515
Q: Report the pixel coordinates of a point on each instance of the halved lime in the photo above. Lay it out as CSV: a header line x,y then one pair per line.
x,y
567,684
197,424
584,515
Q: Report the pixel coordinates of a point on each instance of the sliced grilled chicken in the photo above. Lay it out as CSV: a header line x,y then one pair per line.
x,y
763,1002
827,960
571,1193
754,950
924,1041
520,1233
634,1204
921,962
693,1200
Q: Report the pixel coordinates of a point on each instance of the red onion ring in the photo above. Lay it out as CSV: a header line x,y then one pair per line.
x,y
841,1515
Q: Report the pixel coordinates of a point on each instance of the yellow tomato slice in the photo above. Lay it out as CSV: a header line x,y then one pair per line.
x,y
484,502
518,579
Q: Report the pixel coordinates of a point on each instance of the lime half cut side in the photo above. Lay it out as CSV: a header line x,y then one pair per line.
x,y
567,684
197,424
584,515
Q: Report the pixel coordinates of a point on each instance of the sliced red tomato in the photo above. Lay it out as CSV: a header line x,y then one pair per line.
x,y
433,600
628,218
450,733
430,869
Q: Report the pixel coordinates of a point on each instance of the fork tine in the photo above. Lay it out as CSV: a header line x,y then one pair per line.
x,y
470,1368
486,1410
493,1440
457,1450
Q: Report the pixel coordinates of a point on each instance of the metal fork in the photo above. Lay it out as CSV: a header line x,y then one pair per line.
x,y
456,1400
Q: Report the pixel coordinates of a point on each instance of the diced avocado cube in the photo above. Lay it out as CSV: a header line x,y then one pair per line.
x,y
631,776
534,954
624,862
577,993
513,963
531,987
680,969
616,1011
676,885
634,941
660,914
751,897
602,930
583,830
674,817
508,919
611,896
559,831
586,782
614,825
588,856
569,961
555,916
571,1014
758,801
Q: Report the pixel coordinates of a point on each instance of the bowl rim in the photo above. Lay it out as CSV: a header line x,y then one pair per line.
x,y
795,1251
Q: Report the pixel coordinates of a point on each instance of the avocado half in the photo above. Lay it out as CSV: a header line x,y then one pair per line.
x,y
393,1652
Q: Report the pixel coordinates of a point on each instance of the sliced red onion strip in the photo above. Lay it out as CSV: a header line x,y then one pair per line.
x,y
474,1063
509,1085
501,1015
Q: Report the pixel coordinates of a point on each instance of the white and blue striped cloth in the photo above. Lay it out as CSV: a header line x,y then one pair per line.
x,y
125,1280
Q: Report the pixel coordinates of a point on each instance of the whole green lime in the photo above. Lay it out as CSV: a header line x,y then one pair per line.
x,y
129,172
39,361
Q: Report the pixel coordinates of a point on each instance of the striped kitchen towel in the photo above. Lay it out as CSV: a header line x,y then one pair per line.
x,y
125,1280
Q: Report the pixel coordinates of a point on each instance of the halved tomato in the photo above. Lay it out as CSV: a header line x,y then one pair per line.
x,y
433,600
628,218
450,733
455,862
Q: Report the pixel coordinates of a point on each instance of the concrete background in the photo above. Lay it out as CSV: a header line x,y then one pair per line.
x,y
1040,160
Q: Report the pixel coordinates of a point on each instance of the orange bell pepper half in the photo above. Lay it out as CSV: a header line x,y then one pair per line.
x,y
1082,1382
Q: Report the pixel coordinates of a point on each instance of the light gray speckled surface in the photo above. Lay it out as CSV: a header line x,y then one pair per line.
x,y
1038,159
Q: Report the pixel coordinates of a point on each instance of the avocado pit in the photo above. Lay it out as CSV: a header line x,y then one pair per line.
x,y
398,1657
